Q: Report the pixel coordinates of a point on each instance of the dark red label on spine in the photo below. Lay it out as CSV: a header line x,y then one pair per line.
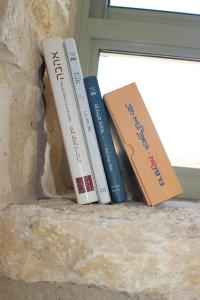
x,y
85,184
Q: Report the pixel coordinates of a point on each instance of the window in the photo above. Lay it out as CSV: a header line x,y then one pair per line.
x,y
170,89
152,36
182,6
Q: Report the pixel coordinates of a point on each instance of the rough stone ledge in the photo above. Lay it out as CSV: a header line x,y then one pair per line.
x,y
127,248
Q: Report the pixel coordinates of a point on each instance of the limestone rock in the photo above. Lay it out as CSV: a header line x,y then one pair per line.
x,y
126,248
52,17
18,39
5,98
22,138
21,133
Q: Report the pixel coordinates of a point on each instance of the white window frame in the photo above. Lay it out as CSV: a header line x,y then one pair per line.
x,y
103,28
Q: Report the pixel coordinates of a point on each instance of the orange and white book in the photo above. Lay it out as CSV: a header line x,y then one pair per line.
x,y
142,144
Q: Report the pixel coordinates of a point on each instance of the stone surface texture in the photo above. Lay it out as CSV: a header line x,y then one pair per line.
x,y
21,129
23,25
145,252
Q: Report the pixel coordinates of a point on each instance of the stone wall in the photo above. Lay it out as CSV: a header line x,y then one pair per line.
x,y
23,161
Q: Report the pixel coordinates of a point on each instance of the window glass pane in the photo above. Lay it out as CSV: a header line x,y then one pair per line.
x,y
182,6
171,91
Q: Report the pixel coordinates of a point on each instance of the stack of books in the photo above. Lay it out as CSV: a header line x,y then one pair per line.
x,y
88,142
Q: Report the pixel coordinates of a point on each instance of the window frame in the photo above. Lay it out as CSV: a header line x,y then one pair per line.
x,y
152,33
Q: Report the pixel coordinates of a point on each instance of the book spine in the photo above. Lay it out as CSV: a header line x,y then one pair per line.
x,y
90,135
64,97
104,137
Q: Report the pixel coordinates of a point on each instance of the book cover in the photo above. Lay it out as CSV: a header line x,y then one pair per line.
x,y
104,137
90,134
142,144
69,119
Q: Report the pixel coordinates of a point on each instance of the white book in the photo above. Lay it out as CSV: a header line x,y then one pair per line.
x,y
90,134
73,137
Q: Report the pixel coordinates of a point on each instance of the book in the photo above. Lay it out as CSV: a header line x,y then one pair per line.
x,y
108,154
142,144
69,119
90,134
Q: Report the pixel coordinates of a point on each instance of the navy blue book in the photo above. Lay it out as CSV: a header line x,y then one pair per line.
x,y
106,146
